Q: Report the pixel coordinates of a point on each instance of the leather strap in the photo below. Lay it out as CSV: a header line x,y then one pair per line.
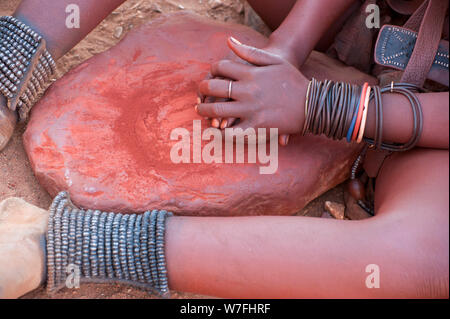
x,y
416,48
395,46
405,7
432,15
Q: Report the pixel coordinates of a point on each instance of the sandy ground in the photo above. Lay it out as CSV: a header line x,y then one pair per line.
x,y
16,176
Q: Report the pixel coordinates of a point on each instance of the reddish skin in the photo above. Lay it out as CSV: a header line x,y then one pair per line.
x,y
255,83
303,257
408,238
290,40
101,115
50,23
252,85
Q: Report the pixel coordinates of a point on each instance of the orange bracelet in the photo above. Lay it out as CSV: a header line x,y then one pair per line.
x,y
360,111
364,118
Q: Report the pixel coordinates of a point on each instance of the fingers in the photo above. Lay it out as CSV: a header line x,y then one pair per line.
x,y
253,55
220,88
222,110
215,122
228,122
230,69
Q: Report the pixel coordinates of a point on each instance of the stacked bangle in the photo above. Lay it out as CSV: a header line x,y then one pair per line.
x,y
360,111
362,127
339,110
26,66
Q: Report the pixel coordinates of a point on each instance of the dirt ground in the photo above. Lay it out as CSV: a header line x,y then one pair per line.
x,y
16,176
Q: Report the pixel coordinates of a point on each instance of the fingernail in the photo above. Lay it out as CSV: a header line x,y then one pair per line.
x,y
199,100
224,124
196,108
215,123
235,41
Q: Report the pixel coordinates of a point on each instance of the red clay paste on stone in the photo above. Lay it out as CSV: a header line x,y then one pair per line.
x,y
102,132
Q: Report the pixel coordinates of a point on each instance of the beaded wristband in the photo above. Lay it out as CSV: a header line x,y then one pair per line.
x,y
106,247
25,65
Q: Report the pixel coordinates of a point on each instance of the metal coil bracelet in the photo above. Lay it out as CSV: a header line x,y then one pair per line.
x,y
26,66
106,247
331,109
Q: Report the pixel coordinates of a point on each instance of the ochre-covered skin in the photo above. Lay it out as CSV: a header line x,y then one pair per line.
x,y
102,132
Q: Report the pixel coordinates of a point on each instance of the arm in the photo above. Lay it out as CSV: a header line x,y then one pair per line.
x,y
282,256
48,18
50,22
257,105
303,28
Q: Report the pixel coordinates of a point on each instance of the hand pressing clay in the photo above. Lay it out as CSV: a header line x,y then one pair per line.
x,y
103,131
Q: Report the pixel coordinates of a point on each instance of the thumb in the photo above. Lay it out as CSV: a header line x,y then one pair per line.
x,y
251,54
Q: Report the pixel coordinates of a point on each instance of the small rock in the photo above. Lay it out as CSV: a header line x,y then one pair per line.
x,y
353,211
156,8
215,4
118,32
335,209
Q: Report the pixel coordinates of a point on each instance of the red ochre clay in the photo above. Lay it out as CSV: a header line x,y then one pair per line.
x,y
102,132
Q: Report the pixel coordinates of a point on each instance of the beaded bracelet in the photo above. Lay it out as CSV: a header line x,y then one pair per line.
x,y
106,247
26,66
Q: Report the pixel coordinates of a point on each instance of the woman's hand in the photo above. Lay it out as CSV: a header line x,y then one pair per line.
x,y
8,120
270,93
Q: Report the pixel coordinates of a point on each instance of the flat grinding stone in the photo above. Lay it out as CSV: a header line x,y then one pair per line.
x,y
102,132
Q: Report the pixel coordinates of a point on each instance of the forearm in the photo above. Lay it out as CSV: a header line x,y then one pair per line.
x,y
398,119
305,25
287,257
48,18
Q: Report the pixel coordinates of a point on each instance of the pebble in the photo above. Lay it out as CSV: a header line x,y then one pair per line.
x,y
118,32
335,209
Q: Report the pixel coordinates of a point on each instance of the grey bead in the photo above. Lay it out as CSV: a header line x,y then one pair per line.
x,y
130,245
115,246
93,258
122,246
108,248
119,245
101,244
151,244
136,251
72,236
144,250
86,243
